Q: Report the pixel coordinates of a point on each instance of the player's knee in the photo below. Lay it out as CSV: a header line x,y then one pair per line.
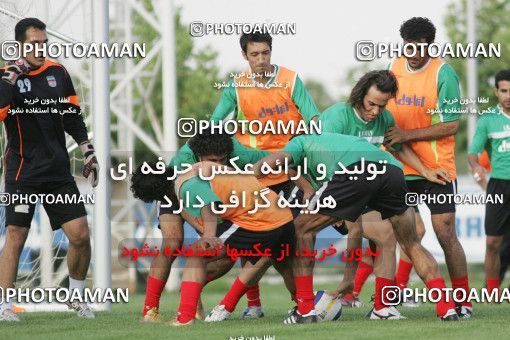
x,y
407,239
493,245
413,249
81,238
445,229
302,230
445,241
169,233
389,241
17,237
404,228
218,268
171,244
407,246
447,238
304,234
420,230
195,262
299,224
163,261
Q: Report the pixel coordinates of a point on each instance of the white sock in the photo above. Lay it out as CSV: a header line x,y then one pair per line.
x,y
5,305
77,284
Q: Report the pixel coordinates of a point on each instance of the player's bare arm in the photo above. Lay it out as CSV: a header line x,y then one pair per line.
x,y
396,135
477,170
272,161
439,176
210,224
353,241
302,184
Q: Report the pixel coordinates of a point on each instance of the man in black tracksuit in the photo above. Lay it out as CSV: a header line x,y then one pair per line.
x,y
38,104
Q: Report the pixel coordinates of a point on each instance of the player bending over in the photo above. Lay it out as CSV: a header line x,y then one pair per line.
x,y
381,186
364,115
270,227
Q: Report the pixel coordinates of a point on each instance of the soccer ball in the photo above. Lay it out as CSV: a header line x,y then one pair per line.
x,y
327,308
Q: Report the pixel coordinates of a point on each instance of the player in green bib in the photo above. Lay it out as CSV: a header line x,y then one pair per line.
x,y
365,116
493,134
371,125
353,174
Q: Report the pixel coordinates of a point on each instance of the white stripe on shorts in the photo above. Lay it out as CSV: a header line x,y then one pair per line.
x,y
227,233
316,196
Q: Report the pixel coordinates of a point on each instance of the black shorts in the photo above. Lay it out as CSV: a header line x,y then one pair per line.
x,y
423,186
20,213
497,215
297,195
243,239
385,193
284,188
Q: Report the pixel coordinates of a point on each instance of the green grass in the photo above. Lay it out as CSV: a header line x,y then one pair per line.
x,y
490,321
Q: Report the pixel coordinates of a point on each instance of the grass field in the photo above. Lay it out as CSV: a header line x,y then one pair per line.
x,y
490,321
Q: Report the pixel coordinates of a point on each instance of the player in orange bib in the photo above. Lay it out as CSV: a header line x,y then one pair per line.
x,y
256,223
266,94
426,112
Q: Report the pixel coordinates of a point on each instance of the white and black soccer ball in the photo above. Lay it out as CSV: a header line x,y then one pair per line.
x,y
327,308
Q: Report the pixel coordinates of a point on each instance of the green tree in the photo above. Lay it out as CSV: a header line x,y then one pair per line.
x,y
492,27
197,71
319,94
354,74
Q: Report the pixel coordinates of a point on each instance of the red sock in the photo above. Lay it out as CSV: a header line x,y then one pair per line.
x,y
403,271
253,296
380,283
462,283
493,284
362,274
304,293
152,293
190,293
234,294
442,306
